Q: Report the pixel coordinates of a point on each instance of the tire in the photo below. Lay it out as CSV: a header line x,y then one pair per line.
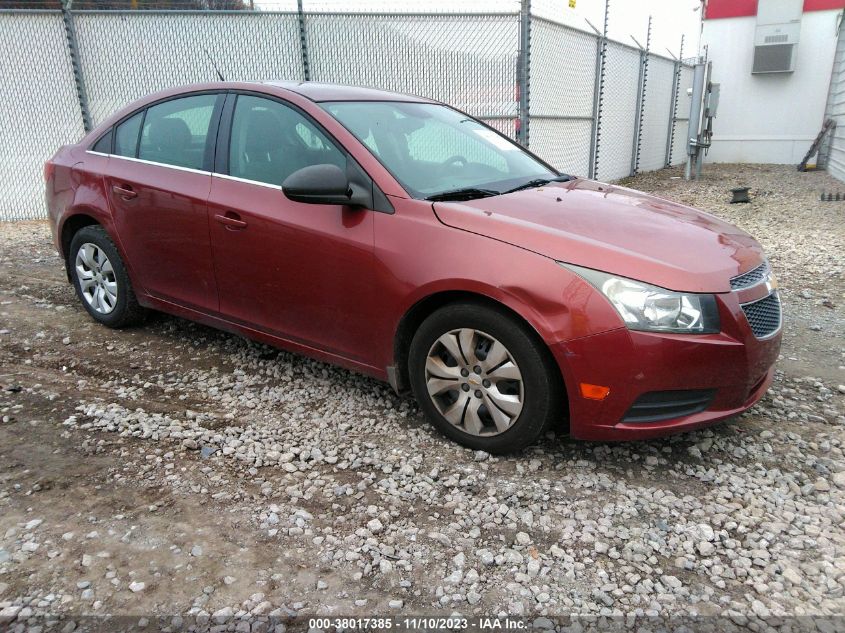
x,y
100,279
489,427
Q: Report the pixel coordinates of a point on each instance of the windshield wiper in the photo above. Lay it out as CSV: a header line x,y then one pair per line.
x,y
539,182
468,193
471,193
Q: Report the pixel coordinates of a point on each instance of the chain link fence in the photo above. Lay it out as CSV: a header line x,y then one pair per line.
x,y
563,77
678,146
125,55
657,111
465,60
618,117
61,67
39,109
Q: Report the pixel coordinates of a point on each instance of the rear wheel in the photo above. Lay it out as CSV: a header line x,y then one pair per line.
x,y
100,279
483,378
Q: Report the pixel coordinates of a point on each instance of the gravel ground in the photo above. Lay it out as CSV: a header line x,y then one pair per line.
x,y
177,471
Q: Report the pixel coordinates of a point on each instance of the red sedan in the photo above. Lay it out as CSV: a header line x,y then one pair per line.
x,y
398,237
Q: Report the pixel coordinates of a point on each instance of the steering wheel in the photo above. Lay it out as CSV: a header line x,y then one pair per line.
x,y
453,160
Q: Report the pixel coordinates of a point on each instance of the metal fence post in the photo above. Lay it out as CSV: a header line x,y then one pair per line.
x,y
303,44
76,66
676,86
524,70
598,95
640,111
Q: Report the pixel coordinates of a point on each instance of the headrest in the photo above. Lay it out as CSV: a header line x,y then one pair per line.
x,y
170,134
263,133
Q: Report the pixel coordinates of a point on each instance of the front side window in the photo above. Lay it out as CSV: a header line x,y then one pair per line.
x,y
270,141
431,148
126,136
175,132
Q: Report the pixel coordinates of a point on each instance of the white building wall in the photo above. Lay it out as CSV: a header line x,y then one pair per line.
x,y
770,118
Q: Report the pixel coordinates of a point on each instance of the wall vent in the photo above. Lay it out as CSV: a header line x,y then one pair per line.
x,y
776,36
773,59
776,39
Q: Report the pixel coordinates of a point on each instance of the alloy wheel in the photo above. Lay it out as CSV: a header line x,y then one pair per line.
x,y
474,382
97,281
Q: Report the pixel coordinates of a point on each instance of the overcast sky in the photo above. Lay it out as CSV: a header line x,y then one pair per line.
x,y
670,18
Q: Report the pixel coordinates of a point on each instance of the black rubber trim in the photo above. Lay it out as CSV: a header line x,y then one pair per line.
x,y
211,137
655,406
224,132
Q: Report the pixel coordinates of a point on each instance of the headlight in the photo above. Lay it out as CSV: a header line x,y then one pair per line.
x,y
650,308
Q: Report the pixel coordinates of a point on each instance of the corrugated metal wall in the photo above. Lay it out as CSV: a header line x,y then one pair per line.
x,y
836,111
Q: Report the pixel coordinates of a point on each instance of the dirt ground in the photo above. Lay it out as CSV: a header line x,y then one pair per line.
x,y
173,470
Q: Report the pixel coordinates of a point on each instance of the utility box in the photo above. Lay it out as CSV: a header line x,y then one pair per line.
x,y
712,104
776,36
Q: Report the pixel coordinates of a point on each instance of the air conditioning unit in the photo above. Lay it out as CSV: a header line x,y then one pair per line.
x,y
776,36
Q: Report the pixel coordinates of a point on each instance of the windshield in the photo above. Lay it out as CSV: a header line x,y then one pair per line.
x,y
432,149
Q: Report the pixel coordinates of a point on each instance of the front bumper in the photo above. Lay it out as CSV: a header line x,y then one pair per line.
x,y
736,365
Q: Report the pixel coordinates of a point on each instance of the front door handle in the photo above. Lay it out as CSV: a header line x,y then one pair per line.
x,y
125,191
230,220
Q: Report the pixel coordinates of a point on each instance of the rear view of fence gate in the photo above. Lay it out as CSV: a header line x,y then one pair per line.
x,y
575,99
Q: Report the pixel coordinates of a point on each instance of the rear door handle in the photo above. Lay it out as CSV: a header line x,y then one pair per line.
x,y
230,220
125,191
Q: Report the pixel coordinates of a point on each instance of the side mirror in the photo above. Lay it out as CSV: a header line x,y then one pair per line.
x,y
318,184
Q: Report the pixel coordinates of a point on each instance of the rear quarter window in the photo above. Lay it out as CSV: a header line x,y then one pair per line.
x,y
104,144
126,136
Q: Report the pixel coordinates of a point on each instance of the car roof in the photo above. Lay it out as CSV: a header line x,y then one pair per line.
x,y
318,91
312,90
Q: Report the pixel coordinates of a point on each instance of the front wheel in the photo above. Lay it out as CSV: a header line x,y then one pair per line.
x,y
100,279
483,378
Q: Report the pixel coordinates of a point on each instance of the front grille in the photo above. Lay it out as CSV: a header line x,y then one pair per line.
x,y
752,277
665,405
764,316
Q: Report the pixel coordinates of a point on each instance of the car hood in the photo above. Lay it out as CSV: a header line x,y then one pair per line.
x,y
614,229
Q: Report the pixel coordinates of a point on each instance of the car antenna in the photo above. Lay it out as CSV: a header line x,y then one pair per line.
x,y
211,59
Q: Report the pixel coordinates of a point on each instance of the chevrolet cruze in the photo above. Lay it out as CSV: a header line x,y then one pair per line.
x,y
396,236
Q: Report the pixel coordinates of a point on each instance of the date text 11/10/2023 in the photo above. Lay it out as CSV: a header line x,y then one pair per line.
x,y
417,623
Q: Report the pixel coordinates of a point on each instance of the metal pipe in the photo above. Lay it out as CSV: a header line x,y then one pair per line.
x,y
524,73
695,115
76,65
640,110
673,116
303,44
598,95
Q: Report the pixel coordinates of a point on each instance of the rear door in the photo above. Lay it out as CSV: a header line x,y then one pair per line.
x,y
158,179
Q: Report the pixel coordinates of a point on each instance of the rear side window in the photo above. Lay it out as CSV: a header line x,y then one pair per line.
x,y
175,132
104,144
126,136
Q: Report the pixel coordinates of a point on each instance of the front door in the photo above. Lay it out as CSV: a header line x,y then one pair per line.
x,y
299,271
158,179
